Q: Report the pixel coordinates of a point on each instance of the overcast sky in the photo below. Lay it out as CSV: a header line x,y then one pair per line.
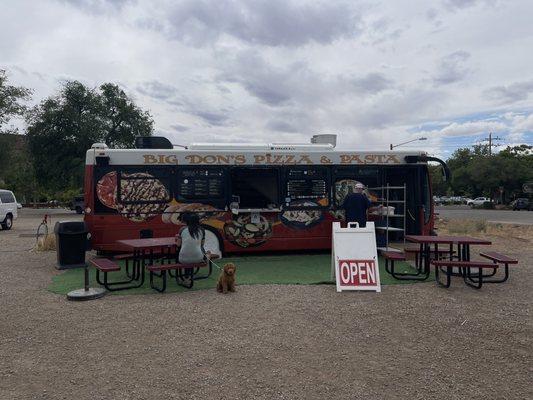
x,y
280,70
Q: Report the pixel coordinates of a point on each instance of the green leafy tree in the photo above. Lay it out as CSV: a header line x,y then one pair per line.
x,y
62,127
12,105
12,100
475,172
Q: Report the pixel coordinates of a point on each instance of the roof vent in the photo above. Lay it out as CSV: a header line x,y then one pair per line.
x,y
325,139
99,146
152,142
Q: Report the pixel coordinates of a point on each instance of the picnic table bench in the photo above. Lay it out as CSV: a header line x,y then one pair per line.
x,y
391,257
498,258
105,265
183,273
466,271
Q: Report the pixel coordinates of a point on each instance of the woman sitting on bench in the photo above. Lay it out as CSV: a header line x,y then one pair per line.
x,y
192,240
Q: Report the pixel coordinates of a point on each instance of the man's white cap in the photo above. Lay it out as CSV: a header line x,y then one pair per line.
x,y
359,186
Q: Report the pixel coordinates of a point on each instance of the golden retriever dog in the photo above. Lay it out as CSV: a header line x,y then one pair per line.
x,y
226,280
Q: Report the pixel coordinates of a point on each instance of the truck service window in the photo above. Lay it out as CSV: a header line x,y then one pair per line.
x,y
256,187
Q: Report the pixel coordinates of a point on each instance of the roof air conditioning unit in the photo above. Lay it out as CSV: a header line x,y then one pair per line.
x,y
325,139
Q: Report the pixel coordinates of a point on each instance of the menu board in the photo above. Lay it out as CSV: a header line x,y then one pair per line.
x,y
201,183
306,188
306,183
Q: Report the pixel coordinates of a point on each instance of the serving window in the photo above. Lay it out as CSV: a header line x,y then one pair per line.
x,y
306,187
345,179
256,187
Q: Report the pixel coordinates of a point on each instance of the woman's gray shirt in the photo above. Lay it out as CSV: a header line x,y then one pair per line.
x,y
191,250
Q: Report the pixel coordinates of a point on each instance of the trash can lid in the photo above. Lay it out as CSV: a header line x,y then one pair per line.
x,y
70,227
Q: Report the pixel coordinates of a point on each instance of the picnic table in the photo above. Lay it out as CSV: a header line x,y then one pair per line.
x,y
143,251
463,244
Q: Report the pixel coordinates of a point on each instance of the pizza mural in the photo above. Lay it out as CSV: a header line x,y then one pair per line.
x,y
302,219
139,186
174,210
245,233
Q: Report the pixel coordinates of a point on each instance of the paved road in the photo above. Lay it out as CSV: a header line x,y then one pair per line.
x,y
501,216
32,212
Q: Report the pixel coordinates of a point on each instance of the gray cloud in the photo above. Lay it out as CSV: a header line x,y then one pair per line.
x,y
452,68
264,22
98,6
212,118
454,5
374,82
179,128
511,93
281,126
157,90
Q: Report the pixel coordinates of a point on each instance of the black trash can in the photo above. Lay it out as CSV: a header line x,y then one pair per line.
x,y
71,240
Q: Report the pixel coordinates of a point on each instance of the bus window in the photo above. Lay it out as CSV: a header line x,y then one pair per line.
x,y
255,187
306,187
202,184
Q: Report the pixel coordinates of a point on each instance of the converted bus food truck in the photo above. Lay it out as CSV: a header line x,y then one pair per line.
x,y
250,197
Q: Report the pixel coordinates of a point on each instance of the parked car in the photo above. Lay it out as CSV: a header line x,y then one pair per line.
x,y
8,209
521,203
77,204
478,201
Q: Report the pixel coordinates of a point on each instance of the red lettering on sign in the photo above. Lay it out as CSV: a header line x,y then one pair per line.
x,y
357,272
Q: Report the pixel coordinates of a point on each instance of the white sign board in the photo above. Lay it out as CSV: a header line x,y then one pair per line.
x,y
354,261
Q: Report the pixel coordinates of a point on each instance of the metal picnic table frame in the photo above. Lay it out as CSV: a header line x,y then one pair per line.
x,y
463,250
143,251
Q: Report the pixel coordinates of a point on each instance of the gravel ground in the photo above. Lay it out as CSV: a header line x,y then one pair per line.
x,y
264,342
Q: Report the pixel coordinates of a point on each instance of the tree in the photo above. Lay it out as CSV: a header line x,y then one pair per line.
x,y
475,172
11,98
63,127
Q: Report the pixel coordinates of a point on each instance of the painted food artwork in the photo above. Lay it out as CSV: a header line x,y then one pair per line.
x,y
134,187
242,232
342,188
173,211
302,219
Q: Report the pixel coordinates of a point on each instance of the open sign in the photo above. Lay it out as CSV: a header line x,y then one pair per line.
x,y
357,272
354,259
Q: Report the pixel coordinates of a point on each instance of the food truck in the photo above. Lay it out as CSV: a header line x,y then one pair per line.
x,y
251,197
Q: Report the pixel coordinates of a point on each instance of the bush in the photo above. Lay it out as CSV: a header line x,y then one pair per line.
x,y
488,205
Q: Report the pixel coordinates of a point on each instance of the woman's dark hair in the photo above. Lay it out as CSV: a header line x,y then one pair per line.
x,y
193,223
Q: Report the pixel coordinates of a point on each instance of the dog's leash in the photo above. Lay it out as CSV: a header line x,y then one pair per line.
x,y
211,261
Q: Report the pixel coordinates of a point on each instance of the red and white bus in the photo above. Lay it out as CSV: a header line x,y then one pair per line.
x,y
265,197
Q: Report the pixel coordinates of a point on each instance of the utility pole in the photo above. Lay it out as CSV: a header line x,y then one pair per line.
x,y
490,139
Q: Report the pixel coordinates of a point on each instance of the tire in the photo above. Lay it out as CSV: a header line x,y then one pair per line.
x,y
79,210
8,222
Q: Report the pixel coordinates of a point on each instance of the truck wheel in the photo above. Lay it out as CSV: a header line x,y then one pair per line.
x,y
8,222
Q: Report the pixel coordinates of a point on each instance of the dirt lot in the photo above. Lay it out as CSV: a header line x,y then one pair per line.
x,y
266,342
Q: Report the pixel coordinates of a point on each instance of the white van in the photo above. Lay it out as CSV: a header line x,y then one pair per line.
x,y
8,209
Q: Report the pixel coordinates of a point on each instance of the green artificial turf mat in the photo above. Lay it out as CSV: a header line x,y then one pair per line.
x,y
305,269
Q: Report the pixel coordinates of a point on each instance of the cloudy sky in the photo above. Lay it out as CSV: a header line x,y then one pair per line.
x,y
374,72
